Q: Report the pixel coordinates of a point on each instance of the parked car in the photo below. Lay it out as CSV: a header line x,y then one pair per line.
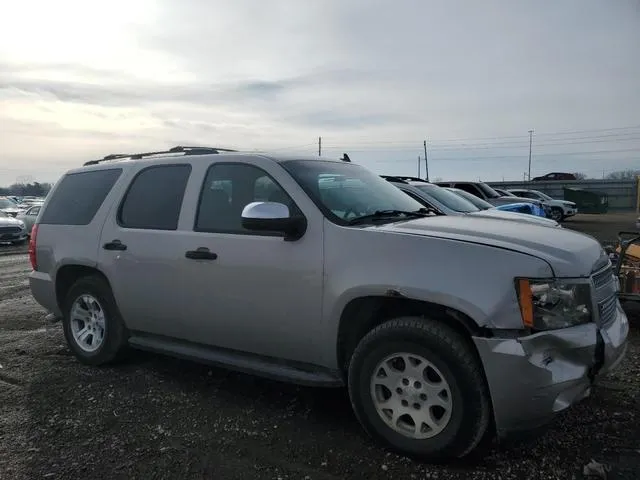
x,y
9,207
447,202
560,209
555,176
488,194
503,193
12,230
322,273
520,207
29,217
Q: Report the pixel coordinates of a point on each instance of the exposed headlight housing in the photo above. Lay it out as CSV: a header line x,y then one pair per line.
x,y
552,304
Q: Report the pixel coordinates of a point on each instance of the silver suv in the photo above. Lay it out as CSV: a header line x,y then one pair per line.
x,y
322,273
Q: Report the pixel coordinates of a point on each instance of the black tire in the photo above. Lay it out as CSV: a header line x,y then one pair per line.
x,y
448,351
114,343
557,214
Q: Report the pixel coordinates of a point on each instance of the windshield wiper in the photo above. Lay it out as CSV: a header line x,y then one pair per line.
x,y
386,214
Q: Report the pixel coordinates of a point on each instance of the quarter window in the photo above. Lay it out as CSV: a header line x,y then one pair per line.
x,y
77,198
154,198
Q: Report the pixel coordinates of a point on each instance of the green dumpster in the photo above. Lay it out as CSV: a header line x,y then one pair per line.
x,y
587,201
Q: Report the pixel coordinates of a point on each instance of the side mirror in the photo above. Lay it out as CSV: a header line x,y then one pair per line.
x,y
273,217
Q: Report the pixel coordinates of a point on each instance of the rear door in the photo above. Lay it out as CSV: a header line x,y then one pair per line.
x,y
140,248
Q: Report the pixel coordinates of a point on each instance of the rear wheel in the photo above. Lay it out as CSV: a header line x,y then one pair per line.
x,y
417,387
92,324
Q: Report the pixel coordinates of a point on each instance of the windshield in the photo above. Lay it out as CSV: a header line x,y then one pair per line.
x,y
478,202
488,191
542,195
6,203
344,191
448,198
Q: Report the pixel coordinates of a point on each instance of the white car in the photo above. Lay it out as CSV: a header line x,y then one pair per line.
x,y
560,209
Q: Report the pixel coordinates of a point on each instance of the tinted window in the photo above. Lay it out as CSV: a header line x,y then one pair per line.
x,y
154,198
78,197
227,189
34,211
448,198
467,187
478,202
6,203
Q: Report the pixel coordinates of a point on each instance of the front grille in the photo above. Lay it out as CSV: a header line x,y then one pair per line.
x,y
4,230
603,277
608,310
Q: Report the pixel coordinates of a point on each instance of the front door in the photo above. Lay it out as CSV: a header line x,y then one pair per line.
x,y
256,292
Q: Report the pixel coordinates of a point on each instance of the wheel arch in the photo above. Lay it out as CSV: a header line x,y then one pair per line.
x,y
69,274
364,313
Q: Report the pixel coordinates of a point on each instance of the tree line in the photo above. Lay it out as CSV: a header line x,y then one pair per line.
x,y
34,189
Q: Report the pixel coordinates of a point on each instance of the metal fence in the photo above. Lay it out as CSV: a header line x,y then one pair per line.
x,y
623,194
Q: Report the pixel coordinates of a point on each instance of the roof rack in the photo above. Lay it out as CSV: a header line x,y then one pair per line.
x,y
403,178
178,149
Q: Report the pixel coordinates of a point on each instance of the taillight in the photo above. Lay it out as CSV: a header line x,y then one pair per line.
x,y
32,247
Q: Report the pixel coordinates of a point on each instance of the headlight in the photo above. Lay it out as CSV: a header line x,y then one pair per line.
x,y
21,224
553,303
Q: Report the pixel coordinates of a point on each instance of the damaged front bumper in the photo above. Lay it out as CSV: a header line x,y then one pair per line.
x,y
532,378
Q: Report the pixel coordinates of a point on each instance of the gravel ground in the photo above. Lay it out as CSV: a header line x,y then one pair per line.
x,y
155,418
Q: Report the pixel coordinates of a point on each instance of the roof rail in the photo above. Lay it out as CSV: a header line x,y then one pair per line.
x,y
178,149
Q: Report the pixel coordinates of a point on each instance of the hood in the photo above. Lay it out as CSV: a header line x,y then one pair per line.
x,y
10,222
569,253
515,217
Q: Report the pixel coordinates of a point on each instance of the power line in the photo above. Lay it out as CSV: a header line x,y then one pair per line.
x,y
508,157
523,143
547,134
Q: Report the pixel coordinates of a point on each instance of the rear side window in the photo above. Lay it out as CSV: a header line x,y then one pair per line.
x,y
79,196
154,198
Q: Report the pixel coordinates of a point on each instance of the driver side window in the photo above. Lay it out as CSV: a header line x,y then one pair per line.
x,y
227,189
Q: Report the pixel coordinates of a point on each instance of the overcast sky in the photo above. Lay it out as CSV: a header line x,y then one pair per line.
x,y
81,79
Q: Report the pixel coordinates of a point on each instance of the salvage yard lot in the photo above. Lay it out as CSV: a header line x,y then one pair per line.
x,y
156,417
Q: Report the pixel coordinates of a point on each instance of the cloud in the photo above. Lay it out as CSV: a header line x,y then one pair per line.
x,y
368,76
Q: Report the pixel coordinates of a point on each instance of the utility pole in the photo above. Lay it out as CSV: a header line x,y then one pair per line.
x,y
426,161
319,146
530,143
418,166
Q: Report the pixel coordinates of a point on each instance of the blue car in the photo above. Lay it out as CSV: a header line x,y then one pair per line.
x,y
522,207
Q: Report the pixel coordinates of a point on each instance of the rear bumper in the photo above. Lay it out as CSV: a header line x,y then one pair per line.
x,y
43,290
533,378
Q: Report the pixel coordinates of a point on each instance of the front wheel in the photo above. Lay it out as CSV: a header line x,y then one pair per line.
x,y
557,214
417,386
